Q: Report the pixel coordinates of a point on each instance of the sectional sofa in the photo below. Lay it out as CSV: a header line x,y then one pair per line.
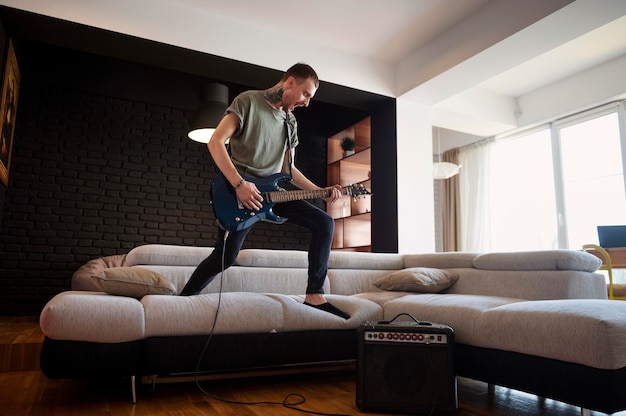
x,y
537,321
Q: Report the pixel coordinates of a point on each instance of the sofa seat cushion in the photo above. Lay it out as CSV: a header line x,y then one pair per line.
x,y
245,312
584,331
300,317
381,297
92,317
457,311
195,315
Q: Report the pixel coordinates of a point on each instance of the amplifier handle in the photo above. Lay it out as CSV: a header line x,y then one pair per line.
x,y
403,314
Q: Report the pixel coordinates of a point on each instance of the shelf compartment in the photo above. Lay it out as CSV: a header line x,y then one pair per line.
x,y
355,168
357,230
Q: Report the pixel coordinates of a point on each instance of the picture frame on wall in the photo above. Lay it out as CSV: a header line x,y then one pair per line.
x,y
8,111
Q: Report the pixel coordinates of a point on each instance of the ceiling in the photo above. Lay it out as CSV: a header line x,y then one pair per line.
x,y
474,63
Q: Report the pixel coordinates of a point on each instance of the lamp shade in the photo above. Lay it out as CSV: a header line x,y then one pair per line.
x,y
445,170
213,103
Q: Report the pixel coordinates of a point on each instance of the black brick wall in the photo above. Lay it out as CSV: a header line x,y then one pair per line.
x,y
94,175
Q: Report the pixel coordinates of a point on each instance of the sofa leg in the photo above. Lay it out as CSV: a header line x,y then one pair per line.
x,y
133,388
585,412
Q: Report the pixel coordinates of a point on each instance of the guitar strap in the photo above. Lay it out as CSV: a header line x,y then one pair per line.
x,y
289,160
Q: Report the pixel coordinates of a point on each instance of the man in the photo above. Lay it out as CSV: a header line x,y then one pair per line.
x,y
263,135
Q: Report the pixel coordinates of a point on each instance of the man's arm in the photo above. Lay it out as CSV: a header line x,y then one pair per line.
x,y
247,192
302,182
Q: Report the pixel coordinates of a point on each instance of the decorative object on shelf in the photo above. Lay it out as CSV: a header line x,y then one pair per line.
x,y
214,100
443,170
347,145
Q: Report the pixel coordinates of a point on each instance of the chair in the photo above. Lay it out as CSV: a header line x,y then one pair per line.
x,y
603,255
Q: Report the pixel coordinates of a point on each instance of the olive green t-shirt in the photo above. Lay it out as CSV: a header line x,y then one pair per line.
x,y
258,146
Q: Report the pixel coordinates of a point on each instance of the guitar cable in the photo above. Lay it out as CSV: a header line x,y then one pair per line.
x,y
291,401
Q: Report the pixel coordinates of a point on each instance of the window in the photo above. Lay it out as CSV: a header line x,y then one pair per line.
x,y
522,198
593,178
547,188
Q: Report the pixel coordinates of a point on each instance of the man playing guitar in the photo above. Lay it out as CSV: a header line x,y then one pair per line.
x,y
263,136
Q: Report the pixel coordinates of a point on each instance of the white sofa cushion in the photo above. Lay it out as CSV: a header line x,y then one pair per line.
x,y
585,331
195,315
243,279
353,281
300,317
272,258
457,311
169,255
93,317
539,260
365,261
241,312
530,284
447,260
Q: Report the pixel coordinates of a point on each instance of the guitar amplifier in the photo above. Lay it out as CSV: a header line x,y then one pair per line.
x,y
406,367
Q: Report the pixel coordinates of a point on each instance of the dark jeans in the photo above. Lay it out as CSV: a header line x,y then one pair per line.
x,y
302,213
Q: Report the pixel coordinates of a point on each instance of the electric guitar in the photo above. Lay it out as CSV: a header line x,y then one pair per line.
x,y
233,216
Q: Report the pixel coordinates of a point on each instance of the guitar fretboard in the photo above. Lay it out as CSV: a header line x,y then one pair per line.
x,y
296,195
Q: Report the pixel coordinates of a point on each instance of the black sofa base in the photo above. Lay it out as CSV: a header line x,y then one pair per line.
x,y
88,360
575,384
165,356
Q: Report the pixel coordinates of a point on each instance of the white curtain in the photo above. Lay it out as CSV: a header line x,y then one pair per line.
x,y
474,196
507,193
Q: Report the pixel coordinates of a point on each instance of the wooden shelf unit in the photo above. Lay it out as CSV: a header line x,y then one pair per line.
x,y
353,220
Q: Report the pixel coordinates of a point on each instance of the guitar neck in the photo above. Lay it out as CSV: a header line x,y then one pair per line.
x,y
296,195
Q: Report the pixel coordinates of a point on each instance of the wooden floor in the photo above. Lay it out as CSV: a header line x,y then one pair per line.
x,y
20,343
28,392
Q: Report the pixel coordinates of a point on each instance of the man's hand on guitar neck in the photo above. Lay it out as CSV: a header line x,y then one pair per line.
x,y
335,194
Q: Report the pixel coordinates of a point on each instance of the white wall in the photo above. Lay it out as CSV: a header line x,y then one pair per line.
x,y
416,216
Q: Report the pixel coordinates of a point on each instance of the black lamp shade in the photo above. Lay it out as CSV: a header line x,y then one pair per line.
x,y
213,103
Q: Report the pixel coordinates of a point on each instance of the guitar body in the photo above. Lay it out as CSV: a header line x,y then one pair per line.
x,y
231,215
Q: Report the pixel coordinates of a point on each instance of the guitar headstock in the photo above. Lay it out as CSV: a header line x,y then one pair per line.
x,y
357,190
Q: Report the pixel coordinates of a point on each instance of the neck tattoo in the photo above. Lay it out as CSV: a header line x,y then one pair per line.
x,y
273,96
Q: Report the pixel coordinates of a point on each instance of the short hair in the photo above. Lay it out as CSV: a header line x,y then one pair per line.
x,y
302,71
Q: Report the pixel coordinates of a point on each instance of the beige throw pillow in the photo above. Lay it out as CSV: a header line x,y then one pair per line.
x,y
134,282
417,279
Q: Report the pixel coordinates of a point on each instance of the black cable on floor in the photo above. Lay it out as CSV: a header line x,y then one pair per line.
x,y
291,401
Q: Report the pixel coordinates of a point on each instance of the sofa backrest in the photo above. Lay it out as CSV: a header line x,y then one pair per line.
x,y
549,274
